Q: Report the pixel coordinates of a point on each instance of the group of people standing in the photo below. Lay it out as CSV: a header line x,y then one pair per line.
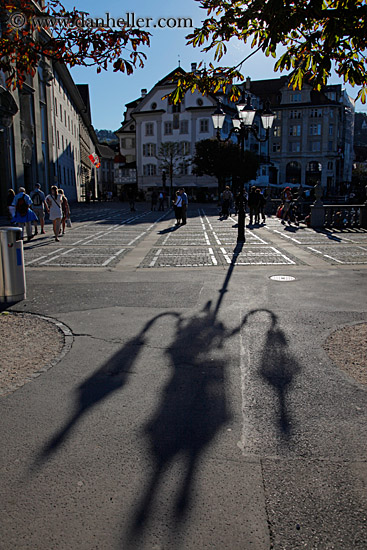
x,y
26,210
180,204
255,200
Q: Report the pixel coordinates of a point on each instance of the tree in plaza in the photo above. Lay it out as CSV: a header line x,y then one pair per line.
x,y
223,160
317,35
31,31
173,158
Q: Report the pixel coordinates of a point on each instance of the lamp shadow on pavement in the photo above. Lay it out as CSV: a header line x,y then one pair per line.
x,y
193,407
111,377
277,367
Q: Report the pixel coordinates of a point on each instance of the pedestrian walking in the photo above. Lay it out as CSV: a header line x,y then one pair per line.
x,y
161,198
9,203
263,201
65,209
154,200
287,198
53,201
131,195
39,206
226,201
254,204
177,205
185,204
23,216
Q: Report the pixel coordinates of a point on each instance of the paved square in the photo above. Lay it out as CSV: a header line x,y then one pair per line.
x,y
266,255
180,257
341,254
80,256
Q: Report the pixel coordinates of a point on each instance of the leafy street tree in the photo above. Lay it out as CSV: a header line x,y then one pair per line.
x,y
173,158
318,36
223,160
30,32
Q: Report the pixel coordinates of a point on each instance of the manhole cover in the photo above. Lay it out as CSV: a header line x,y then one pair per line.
x,y
282,278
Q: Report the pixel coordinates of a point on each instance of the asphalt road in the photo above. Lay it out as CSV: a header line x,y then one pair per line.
x,y
196,408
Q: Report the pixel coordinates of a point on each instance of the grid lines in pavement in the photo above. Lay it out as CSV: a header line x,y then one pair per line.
x,y
207,241
99,239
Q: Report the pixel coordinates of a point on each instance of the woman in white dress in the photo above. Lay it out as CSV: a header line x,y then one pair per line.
x,y
54,202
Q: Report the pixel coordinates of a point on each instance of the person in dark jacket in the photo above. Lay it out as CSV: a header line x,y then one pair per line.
x,y
253,204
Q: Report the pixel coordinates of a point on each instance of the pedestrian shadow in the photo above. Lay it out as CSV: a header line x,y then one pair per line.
x,y
277,368
168,230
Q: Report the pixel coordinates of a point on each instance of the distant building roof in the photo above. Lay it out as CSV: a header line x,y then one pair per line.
x,y
105,151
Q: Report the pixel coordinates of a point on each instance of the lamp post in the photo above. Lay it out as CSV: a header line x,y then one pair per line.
x,y
242,127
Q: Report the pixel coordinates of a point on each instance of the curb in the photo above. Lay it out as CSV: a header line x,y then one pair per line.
x,y
68,342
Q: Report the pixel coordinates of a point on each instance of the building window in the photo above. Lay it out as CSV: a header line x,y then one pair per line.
x,y
55,107
149,169
314,146
315,113
62,141
277,131
295,130
184,168
204,126
294,114
294,146
185,147
330,165
176,108
65,118
123,143
331,129
60,113
184,127
149,149
315,129
276,147
295,97
58,140
149,129
168,130
329,145
176,122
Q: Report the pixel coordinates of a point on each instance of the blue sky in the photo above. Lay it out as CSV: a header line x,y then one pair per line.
x,y
111,91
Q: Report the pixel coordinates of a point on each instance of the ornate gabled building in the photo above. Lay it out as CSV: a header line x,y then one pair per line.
x,y
151,121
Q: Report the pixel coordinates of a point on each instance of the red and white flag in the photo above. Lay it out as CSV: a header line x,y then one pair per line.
x,y
94,158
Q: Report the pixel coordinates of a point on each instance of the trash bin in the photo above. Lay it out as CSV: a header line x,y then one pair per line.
x,y
12,275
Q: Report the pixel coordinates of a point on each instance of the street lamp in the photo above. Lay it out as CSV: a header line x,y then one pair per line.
x,y
242,126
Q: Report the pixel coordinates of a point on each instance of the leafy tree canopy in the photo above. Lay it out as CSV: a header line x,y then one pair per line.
x,y
172,156
30,32
319,36
221,160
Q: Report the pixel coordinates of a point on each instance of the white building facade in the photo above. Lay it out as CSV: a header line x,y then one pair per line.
x,y
151,121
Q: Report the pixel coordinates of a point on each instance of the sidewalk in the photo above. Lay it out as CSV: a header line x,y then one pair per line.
x,y
197,406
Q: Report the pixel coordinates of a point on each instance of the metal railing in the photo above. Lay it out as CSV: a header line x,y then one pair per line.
x,y
344,216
